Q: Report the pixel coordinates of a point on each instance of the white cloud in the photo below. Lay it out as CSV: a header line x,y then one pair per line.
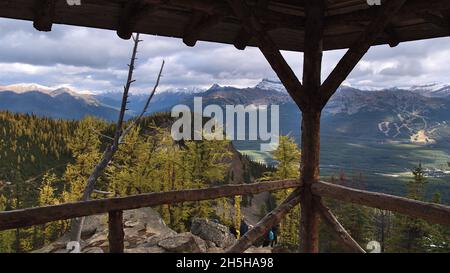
x,y
92,59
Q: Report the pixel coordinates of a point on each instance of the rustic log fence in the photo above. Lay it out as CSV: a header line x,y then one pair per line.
x,y
433,213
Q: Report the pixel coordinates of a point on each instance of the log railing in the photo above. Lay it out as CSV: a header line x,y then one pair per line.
x,y
41,215
434,213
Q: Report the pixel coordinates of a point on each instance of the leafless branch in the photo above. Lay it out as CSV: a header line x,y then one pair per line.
x,y
119,135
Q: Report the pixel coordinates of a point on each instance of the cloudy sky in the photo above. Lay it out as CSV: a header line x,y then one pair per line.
x,y
95,60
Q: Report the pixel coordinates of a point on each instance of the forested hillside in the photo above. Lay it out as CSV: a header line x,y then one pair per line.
x,y
46,162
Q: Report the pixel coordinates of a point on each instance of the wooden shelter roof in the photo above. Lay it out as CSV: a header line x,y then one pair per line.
x,y
214,21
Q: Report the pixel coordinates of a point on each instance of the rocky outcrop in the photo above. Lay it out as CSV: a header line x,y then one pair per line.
x,y
213,232
183,243
146,232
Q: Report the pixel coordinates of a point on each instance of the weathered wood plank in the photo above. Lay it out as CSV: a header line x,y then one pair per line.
x,y
42,215
433,213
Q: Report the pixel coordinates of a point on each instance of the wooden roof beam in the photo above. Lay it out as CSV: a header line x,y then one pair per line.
x,y
242,39
359,48
408,10
392,36
437,20
132,12
44,13
269,49
199,22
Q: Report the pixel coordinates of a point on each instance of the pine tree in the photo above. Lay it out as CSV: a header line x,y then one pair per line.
x,y
205,164
288,166
85,147
409,234
438,238
6,237
47,196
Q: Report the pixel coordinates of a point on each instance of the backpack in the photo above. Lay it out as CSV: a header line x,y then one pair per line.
x,y
271,236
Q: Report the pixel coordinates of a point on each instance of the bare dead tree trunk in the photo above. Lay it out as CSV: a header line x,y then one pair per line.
x,y
77,223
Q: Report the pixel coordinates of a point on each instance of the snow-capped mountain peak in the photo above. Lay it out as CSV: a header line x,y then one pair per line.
x,y
432,89
186,90
268,84
26,87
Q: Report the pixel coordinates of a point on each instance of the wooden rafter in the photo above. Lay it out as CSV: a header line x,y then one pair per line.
x,y
434,213
131,13
392,35
199,22
242,39
269,49
337,229
44,14
437,19
359,48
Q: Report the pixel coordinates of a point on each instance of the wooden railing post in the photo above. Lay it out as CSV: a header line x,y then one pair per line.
x,y
116,233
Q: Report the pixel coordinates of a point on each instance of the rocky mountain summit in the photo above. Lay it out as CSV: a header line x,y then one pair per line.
x,y
146,232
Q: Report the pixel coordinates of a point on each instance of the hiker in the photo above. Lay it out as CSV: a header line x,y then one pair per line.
x,y
234,231
244,227
275,233
266,241
271,238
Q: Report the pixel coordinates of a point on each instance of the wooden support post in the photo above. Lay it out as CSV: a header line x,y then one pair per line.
x,y
337,229
43,14
311,112
116,233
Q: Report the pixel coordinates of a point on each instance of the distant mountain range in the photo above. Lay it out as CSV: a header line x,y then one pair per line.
x,y
419,114
55,103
